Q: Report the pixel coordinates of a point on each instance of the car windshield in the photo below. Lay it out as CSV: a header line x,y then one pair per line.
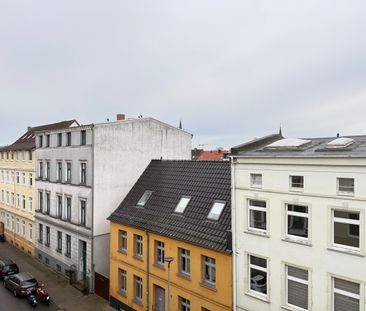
x,y
13,266
28,282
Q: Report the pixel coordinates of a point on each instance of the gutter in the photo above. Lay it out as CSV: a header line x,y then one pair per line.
x,y
92,272
147,270
233,226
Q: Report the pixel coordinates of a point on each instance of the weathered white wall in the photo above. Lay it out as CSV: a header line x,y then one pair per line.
x,y
122,150
320,196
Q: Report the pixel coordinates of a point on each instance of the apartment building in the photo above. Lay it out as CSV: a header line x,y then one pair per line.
x,y
170,243
299,224
17,188
83,173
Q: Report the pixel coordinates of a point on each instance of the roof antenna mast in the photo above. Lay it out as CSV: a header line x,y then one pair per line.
x,y
280,131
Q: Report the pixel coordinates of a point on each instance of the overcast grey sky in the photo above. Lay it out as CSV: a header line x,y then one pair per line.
x,y
231,70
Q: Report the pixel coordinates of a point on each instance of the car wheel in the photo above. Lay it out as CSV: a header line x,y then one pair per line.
x,y
15,293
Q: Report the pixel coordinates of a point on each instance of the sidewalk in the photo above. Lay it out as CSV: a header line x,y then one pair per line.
x,y
65,296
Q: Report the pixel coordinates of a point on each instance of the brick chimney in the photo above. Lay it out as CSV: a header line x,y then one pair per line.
x,y
120,117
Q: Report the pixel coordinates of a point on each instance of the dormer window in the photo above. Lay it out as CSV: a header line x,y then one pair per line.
x,y
216,210
182,204
145,197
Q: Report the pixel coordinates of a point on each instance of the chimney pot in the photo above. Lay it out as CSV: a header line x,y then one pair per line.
x,y
337,134
120,117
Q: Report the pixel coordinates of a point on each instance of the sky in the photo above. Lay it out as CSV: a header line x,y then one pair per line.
x,y
230,70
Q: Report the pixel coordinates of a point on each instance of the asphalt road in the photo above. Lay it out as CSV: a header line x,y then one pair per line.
x,y
10,303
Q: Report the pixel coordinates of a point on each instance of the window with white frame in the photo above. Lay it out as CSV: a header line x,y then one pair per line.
x,y
30,204
68,208
18,200
40,169
48,170
216,210
23,179
68,245
59,206
257,215
30,232
258,272
48,202
122,281
182,204
297,288
59,171
68,172
138,245
297,221
345,295
256,180
23,228
209,270
30,179
184,304
346,229
159,252
296,182
184,261
40,201
83,173
138,289
23,202
345,185
83,212
123,241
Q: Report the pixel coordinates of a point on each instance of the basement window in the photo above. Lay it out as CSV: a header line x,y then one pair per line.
x,y
182,204
216,210
145,197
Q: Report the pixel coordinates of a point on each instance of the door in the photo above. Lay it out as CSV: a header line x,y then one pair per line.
x,y
82,258
159,298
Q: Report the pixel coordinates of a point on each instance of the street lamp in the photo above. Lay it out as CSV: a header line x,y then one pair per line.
x,y
169,261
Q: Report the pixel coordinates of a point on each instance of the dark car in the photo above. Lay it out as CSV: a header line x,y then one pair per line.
x,y
8,267
2,237
20,283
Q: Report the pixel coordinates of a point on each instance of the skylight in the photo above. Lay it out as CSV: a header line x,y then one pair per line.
x,y
145,197
182,204
341,142
288,143
216,210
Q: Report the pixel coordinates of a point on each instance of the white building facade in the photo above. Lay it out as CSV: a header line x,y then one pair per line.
x,y
299,224
83,179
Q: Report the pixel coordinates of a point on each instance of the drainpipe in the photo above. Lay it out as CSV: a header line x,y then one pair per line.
x,y
147,270
233,226
92,272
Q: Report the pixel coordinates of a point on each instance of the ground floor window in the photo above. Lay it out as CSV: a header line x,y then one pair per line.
x,y
184,304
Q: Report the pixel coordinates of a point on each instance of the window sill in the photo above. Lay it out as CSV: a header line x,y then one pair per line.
x,y
68,255
59,250
159,265
295,241
122,251
184,276
258,296
47,244
256,186
345,194
122,293
138,258
208,286
289,308
259,233
137,301
346,251
296,189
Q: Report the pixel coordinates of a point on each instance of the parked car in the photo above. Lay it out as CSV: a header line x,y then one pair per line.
x,y
20,283
8,267
2,237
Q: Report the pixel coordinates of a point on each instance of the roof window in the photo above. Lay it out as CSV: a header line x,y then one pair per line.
x,y
216,210
145,197
182,204
288,143
341,142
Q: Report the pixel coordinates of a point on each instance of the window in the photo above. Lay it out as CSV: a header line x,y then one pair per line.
x,y
138,289
41,141
159,252
182,204
346,295
40,233
59,139
184,304
18,200
59,171
59,206
47,140
297,221
83,138
40,205
257,215
297,285
30,179
68,245
40,170
30,204
23,201
68,208
258,275
18,229
83,212
48,170
256,180
346,185
48,236
48,202
68,172
122,281
59,241
346,229
209,270
68,140
18,178
296,182
184,261
23,178
123,241
138,245
216,210
30,232
83,173
30,155
23,228
145,197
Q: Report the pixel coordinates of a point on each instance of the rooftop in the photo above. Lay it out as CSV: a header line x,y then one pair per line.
x,y
155,202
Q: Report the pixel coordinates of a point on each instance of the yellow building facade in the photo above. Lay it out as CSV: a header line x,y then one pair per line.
x,y
127,269
17,197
